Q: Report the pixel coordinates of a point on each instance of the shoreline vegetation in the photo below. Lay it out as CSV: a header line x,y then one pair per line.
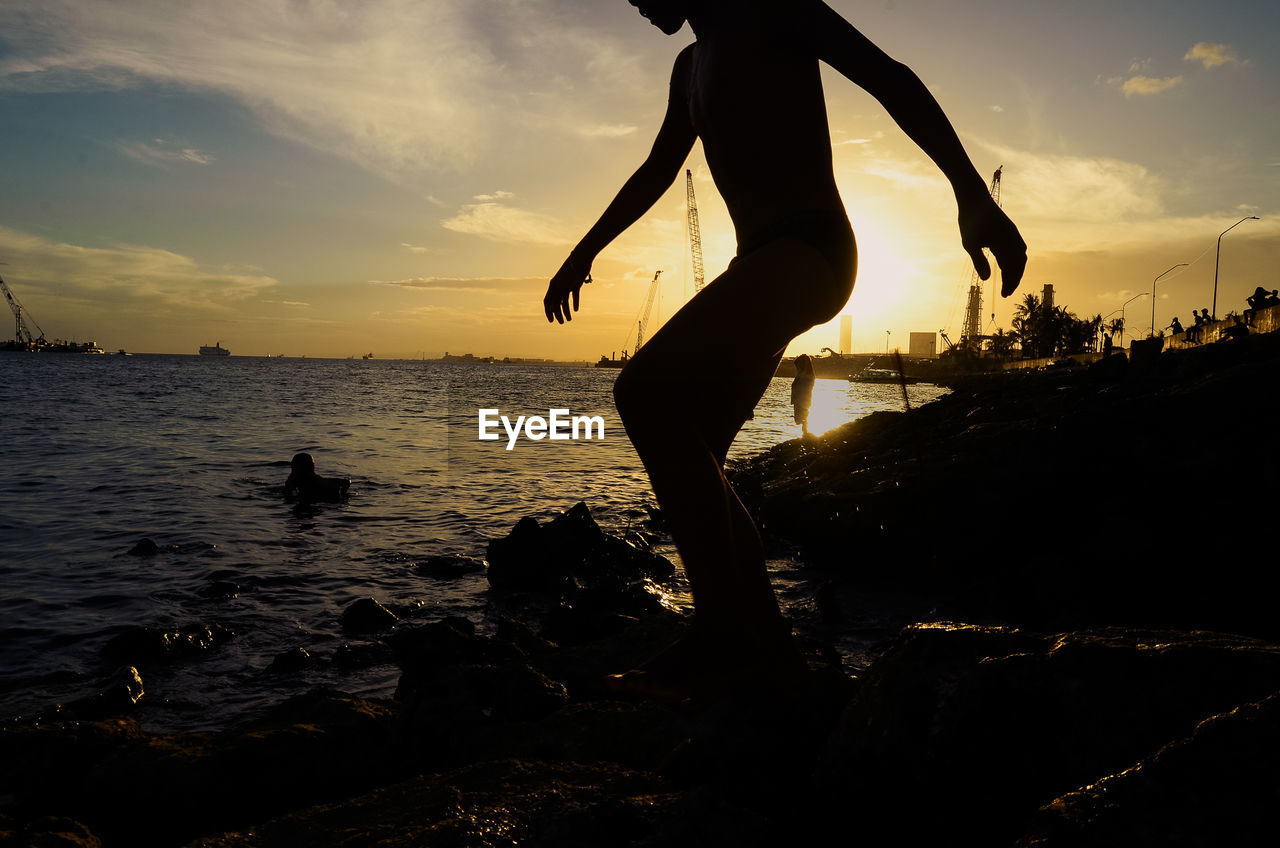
x,y
1100,664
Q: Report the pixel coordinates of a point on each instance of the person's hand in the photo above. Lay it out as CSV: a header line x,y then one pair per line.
x,y
566,284
984,224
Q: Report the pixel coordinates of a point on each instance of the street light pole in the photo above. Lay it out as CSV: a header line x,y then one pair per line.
x,y
886,342
1153,298
1126,303
1219,256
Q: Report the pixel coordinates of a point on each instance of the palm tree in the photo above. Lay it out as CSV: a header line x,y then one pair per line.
x,y
1002,343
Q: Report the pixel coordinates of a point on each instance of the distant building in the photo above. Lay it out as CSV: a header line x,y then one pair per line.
x,y
846,335
1047,298
923,344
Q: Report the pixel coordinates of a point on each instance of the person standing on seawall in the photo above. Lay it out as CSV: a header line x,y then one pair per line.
x,y
749,88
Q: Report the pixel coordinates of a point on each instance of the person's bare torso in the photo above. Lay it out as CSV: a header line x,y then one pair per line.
x,y
756,101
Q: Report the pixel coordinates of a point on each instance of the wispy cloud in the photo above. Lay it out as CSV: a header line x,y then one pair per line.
x,y
1212,55
1138,81
422,250
607,130
399,86
127,274
499,222
472,285
163,153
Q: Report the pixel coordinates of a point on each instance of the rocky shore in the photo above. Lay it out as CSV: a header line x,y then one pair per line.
x,y
1099,663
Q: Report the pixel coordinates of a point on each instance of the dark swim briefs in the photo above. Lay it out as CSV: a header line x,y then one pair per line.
x,y
828,233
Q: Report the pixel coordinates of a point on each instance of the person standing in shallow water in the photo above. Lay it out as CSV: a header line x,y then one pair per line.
x,y
802,391
749,88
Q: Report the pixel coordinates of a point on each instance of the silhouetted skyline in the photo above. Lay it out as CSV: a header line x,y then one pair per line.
x,y
309,180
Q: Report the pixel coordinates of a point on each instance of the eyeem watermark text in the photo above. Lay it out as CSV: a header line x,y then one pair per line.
x,y
559,425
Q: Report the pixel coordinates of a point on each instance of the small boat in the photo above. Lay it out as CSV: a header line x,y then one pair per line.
x,y
881,375
216,350
123,352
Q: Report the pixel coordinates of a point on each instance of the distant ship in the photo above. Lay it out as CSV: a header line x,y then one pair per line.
x,y
610,362
216,350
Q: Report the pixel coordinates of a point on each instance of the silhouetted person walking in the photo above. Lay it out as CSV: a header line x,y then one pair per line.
x,y
802,391
749,88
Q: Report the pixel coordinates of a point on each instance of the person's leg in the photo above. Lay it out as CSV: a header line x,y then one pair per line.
x,y
713,360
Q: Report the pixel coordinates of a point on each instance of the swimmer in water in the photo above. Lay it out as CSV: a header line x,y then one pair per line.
x,y
750,88
306,486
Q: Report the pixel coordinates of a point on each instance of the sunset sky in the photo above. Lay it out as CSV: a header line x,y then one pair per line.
x,y
335,178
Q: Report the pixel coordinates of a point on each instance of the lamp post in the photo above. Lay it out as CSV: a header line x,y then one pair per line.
x,y
1153,298
1126,303
1219,256
886,342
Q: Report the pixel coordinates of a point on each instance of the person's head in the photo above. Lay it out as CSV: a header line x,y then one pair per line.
x,y
804,364
302,463
667,15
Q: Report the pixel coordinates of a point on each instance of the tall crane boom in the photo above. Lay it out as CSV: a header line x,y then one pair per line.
x,y
973,310
695,234
643,323
21,332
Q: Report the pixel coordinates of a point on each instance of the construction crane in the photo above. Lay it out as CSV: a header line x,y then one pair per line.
x,y
643,323
973,311
695,234
21,332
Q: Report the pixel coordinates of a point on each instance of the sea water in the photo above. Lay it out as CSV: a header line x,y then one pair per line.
x,y
191,452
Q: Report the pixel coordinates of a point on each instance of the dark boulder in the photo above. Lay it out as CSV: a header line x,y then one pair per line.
x,y
449,567
291,661
117,694
147,645
571,557
983,725
365,615
1217,786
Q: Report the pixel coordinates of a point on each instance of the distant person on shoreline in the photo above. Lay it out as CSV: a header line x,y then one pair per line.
x,y
802,391
306,486
750,88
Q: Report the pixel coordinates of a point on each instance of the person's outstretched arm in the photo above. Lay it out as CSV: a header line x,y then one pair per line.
x,y
649,182
909,103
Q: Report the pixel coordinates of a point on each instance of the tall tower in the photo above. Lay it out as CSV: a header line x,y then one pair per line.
x,y
695,235
973,309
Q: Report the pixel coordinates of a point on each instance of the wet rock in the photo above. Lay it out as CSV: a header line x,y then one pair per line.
x,y
983,725
885,499
147,645
450,567
117,694
572,557
291,661
49,832
350,657
1217,786
144,547
515,802
365,615
456,686
312,747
